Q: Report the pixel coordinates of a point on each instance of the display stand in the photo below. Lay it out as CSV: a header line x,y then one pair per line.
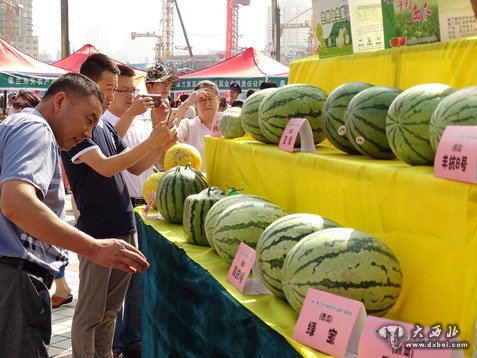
x,y
429,223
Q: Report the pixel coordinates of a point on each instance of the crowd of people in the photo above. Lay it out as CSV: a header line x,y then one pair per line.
x,y
94,135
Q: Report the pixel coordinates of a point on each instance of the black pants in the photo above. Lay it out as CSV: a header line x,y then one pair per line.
x,y
25,313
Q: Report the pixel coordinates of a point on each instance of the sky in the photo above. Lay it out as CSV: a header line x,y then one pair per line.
x,y
107,25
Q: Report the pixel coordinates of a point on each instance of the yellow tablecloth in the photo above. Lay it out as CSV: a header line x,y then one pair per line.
x,y
429,223
452,63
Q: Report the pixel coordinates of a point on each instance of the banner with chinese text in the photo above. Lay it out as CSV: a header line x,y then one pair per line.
x,y
13,81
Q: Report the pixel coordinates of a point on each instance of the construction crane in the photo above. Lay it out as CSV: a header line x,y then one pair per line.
x,y
232,35
9,12
302,25
164,49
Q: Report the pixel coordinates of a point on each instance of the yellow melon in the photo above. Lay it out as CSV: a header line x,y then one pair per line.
x,y
150,185
180,154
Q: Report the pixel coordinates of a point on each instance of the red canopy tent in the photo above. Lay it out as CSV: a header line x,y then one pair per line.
x,y
21,71
248,69
74,61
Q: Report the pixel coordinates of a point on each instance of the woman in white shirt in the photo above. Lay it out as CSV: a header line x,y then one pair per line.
x,y
206,98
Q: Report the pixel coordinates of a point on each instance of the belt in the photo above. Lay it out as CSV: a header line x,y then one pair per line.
x,y
31,268
138,201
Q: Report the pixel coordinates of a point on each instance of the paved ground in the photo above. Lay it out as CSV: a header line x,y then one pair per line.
x,y
60,345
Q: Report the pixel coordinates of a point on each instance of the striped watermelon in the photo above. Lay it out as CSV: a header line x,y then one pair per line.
x,y
278,239
287,102
333,117
366,121
196,207
243,222
230,125
174,187
219,207
407,123
249,115
459,108
343,262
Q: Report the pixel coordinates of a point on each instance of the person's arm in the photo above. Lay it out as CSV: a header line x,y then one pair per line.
x,y
190,101
159,139
19,203
139,106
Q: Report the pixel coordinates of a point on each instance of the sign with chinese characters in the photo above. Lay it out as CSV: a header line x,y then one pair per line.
x,y
150,202
21,81
332,27
367,25
214,126
330,323
457,154
242,265
410,22
392,339
456,19
297,126
187,84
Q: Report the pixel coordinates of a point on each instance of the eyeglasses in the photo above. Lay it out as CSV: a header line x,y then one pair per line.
x,y
125,92
18,105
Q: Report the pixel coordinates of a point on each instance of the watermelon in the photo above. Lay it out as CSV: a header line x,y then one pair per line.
x,y
333,116
243,222
366,121
344,262
249,115
287,102
407,122
174,187
219,207
457,109
230,125
196,207
278,239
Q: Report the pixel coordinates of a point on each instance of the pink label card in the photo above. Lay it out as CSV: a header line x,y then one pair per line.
x,y
214,127
330,323
242,265
298,126
457,154
392,339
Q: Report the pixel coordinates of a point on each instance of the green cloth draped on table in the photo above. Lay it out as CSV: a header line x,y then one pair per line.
x,y
187,313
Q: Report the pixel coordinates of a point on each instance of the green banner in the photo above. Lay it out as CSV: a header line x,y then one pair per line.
x,y
224,83
12,81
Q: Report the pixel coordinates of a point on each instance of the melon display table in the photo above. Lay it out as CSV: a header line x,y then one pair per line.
x,y
190,310
429,223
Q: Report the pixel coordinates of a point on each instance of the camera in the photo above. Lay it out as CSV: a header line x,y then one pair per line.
x,y
156,98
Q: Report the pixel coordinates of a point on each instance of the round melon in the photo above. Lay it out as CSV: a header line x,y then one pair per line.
x,y
230,125
243,222
366,121
249,115
344,262
217,209
149,188
180,154
458,109
278,239
174,187
333,119
407,123
196,207
291,101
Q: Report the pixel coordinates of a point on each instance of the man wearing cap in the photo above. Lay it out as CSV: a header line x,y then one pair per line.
x,y
235,90
160,81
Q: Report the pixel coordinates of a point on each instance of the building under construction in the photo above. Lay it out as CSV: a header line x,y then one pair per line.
x,y
16,25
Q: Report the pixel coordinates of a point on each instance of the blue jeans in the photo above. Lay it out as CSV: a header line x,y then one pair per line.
x,y
127,334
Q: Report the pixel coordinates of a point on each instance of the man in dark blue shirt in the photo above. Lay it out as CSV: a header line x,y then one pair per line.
x,y
94,171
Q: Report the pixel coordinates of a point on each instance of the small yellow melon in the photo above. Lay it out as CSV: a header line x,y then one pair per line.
x,y
150,185
180,154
